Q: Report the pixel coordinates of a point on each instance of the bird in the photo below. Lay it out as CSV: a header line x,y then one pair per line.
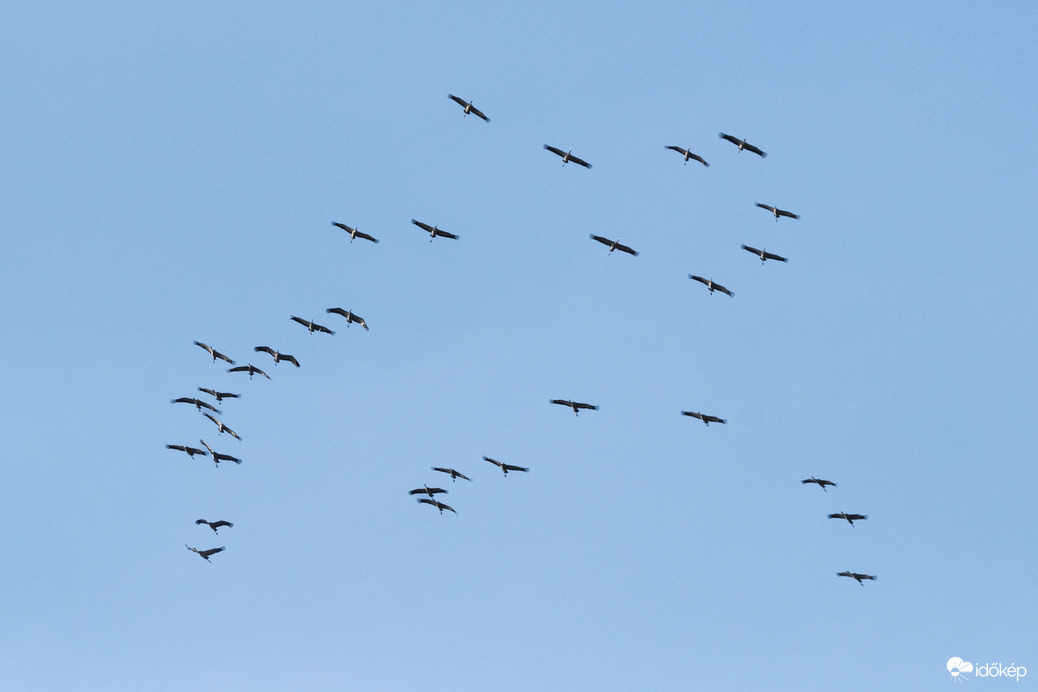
x,y
214,353
614,245
191,451
575,405
220,396
742,144
434,231
851,518
705,418
688,155
438,505
426,490
857,577
278,356
505,467
452,473
350,317
567,156
199,404
469,108
205,553
709,283
311,325
218,457
251,369
223,428
821,483
354,233
778,212
764,254
214,525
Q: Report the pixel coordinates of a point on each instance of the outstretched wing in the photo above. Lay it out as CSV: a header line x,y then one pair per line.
x,y
424,226
461,102
365,236
509,467
265,349
755,150
445,234
580,162
783,212
590,407
683,152
628,250
772,256
478,113
705,282
604,241
495,462
555,150
290,359
301,321
218,524
734,140
344,227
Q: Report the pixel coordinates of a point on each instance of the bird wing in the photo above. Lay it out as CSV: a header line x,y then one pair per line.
x,y
442,506
366,236
495,462
604,241
693,414
683,152
433,491
783,212
857,517
226,457
231,433
209,448
291,359
445,234
555,150
461,102
591,407
179,448
714,419
240,368
837,516
320,328
205,346
266,349
509,467
338,311
769,208
734,140
580,162
218,524
424,226
427,501
751,249
218,423
201,521
344,227
478,113
844,574
628,250
773,256
705,282
301,321
823,482
562,402
210,392
755,150
360,320
211,551
254,369
722,289
698,158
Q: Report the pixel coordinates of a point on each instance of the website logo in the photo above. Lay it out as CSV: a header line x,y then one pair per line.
x,y
956,666
958,669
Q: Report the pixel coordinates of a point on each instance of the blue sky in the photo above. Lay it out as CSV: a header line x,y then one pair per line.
x,y
171,174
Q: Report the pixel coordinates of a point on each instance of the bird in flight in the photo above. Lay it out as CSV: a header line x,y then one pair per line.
x,y
778,212
426,490
764,254
614,245
223,428
191,451
821,483
214,353
688,155
251,369
350,317
311,325
198,403
218,457
220,396
575,405
214,525
434,231
469,108
858,577
709,283
354,233
205,553
705,418
567,156
851,518
436,503
742,144
278,356
505,467
452,473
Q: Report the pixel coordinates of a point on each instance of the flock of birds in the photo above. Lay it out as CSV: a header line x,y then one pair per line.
x,y
429,495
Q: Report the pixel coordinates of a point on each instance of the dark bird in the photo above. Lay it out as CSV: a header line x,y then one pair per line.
x,y
821,483
354,233
469,108
764,254
199,404
566,156
452,473
433,231
251,369
205,553
614,245
703,417
851,518
223,428
505,467
220,396
435,503
688,155
350,317
426,490
709,283
218,457
742,144
191,451
778,212
214,525
278,355
575,405
858,577
214,353
311,325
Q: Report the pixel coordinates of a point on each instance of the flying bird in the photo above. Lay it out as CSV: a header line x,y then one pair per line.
x,y
566,156
851,518
709,283
452,473
199,404
436,503
764,254
778,212
705,418
311,325
191,451
575,405
742,144
434,231
278,356
426,490
350,317
505,467
220,396
469,108
821,483
223,428
205,553
214,353
214,525
688,155
614,245
857,577
218,457
251,369
354,233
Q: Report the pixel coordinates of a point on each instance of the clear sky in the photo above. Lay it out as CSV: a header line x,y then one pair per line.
x,y
170,174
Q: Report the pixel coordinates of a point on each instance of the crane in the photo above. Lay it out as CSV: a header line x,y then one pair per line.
x,y
354,233
191,451
688,155
311,325
851,518
434,231
858,577
742,144
350,317
214,353
452,473
821,483
251,369
614,245
567,156
764,254
223,428
426,490
505,467
778,212
575,405
205,553
709,283
436,503
218,457
278,355
198,403
214,525
705,418
469,108
220,396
